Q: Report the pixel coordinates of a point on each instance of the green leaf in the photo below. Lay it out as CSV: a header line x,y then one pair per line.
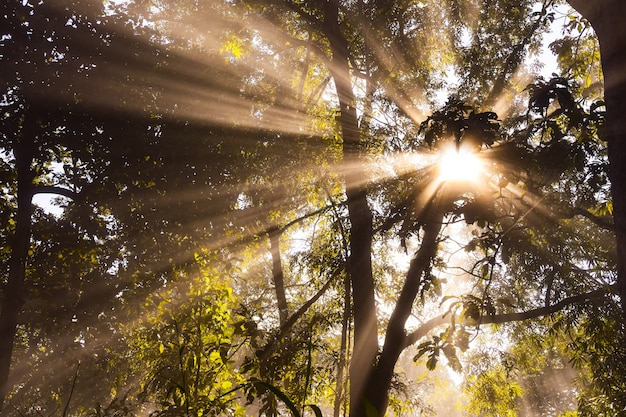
x,y
453,361
431,363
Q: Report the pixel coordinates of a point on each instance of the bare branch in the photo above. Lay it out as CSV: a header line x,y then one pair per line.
x,y
53,189
544,311
420,332
272,344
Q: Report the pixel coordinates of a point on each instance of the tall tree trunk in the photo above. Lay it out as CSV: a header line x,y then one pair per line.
x,y
12,293
378,383
608,19
360,216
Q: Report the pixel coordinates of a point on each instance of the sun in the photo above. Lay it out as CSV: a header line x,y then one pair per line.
x,y
459,165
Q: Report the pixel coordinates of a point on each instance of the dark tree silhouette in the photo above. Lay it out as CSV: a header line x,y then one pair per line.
x,y
607,19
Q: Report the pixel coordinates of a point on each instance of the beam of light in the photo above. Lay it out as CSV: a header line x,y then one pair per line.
x,y
184,87
459,165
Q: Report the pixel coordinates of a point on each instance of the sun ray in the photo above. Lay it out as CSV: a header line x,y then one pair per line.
x,y
459,164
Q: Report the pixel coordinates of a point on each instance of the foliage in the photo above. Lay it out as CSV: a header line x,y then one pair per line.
x,y
493,394
236,193
598,349
189,346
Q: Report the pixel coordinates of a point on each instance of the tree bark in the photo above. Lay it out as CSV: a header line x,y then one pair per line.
x,y
278,276
343,350
359,262
378,383
437,321
607,18
13,291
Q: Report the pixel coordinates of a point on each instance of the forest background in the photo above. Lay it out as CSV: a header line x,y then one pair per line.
x,y
252,213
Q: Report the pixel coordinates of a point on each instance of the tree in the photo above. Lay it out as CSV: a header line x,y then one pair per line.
x,y
35,133
252,123
127,193
58,138
376,375
606,17
189,345
343,49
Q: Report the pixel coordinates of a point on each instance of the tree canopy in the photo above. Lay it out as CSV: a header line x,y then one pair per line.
x,y
312,208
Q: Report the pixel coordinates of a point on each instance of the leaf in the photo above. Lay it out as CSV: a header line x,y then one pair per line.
x,y
431,363
215,357
471,312
472,244
462,340
422,349
453,361
484,271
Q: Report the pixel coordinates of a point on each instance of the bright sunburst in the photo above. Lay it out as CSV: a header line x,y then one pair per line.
x,y
459,164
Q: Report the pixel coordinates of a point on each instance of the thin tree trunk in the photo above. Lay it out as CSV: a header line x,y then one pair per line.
x,y
278,276
343,350
13,297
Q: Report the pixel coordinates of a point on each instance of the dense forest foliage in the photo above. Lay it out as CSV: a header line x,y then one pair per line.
x,y
250,208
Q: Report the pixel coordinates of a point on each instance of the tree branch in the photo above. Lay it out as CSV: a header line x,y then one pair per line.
x,y
556,212
543,311
53,189
597,220
265,352
421,331
309,17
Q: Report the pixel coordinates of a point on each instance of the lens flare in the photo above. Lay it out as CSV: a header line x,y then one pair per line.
x,y
459,165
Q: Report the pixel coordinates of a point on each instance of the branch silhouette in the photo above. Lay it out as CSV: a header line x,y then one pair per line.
x,y
429,325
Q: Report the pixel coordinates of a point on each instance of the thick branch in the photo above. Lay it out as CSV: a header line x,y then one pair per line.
x,y
423,330
53,189
543,311
597,220
395,330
